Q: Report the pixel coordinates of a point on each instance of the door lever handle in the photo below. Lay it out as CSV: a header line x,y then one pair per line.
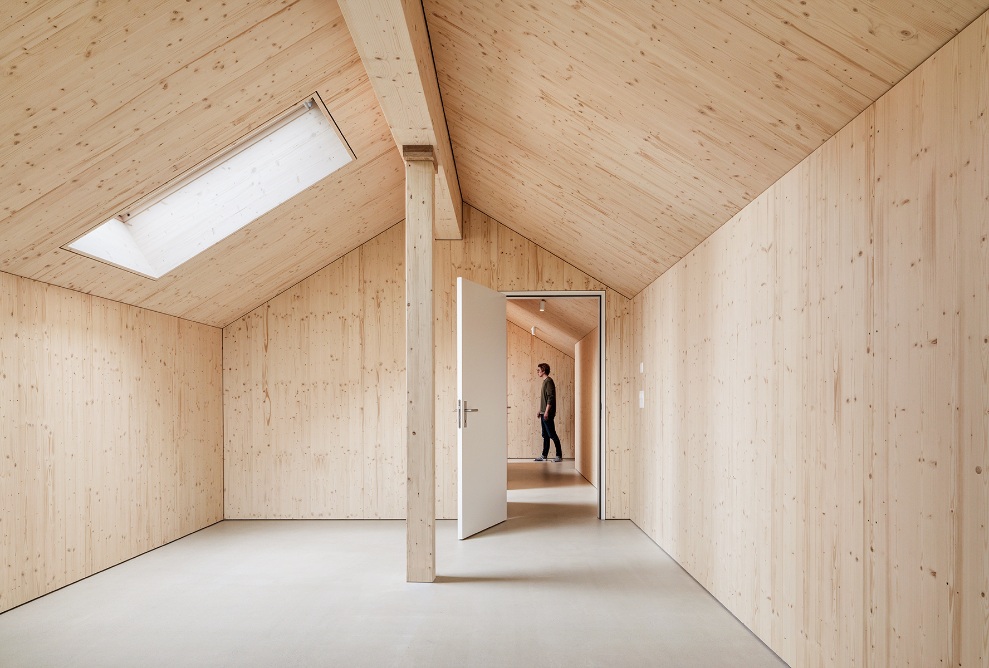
x,y
462,411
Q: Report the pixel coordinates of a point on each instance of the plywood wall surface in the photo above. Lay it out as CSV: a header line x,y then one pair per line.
x,y
110,438
525,351
314,394
587,414
814,442
314,386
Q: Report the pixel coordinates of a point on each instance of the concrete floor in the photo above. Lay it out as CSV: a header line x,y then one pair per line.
x,y
552,586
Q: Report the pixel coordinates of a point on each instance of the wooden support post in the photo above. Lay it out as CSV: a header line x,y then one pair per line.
x,y
420,466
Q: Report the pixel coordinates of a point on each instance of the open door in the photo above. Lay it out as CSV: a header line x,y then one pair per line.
x,y
482,413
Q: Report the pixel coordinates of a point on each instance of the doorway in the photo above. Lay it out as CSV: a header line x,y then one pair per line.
x,y
570,324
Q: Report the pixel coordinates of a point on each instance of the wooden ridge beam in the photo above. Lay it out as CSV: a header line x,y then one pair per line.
x,y
393,43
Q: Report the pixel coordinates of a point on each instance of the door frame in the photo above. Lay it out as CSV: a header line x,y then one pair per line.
x,y
602,375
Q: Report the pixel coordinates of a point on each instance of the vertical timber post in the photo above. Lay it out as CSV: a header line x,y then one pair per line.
x,y
420,441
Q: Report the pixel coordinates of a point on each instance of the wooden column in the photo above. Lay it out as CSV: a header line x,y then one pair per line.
x,y
421,469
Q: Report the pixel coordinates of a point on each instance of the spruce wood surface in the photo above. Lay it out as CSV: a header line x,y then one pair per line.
x,y
619,135
587,417
616,135
314,394
393,41
111,437
105,102
814,443
419,369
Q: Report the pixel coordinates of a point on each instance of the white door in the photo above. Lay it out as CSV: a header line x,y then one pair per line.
x,y
482,412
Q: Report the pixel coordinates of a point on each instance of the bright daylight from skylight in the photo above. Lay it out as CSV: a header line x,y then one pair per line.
x,y
210,205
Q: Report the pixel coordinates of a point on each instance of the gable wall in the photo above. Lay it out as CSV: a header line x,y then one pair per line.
x,y
314,384
314,394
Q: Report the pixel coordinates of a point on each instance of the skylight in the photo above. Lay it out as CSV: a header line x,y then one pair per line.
x,y
215,200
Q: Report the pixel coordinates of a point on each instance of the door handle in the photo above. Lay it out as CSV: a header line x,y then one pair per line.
x,y
466,411
462,411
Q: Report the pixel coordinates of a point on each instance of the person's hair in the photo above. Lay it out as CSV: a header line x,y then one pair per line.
x,y
544,367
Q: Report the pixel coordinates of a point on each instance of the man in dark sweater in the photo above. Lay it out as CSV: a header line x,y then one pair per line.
x,y
547,412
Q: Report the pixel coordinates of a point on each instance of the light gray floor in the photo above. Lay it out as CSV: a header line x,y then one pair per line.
x,y
552,586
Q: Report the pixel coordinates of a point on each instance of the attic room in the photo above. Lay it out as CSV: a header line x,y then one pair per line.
x,y
785,209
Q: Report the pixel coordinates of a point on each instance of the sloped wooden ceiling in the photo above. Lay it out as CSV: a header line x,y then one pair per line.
x,y
619,134
564,322
616,135
102,102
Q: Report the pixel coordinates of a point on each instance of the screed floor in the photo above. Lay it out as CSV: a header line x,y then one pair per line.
x,y
552,586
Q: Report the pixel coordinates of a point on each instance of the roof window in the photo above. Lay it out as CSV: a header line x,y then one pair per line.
x,y
215,199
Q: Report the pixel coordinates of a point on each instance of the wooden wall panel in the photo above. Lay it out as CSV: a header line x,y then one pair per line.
x,y
525,351
587,416
969,590
314,387
932,223
619,445
111,438
825,341
383,373
814,441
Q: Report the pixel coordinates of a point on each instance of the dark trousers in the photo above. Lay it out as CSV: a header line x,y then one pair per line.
x,y
549,433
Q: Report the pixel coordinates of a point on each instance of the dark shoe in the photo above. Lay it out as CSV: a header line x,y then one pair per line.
x,y
558,459
539,459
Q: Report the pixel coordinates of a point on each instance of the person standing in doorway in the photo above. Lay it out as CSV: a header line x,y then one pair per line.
x,y
547,413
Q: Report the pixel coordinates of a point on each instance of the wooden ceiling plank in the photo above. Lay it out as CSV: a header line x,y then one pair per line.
x,y
174,139
565,321
94,140
151,123
280,248
99,73
615,135
620,135
393,42
32,26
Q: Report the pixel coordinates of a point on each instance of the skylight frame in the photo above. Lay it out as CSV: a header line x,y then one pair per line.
x,y
201,169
